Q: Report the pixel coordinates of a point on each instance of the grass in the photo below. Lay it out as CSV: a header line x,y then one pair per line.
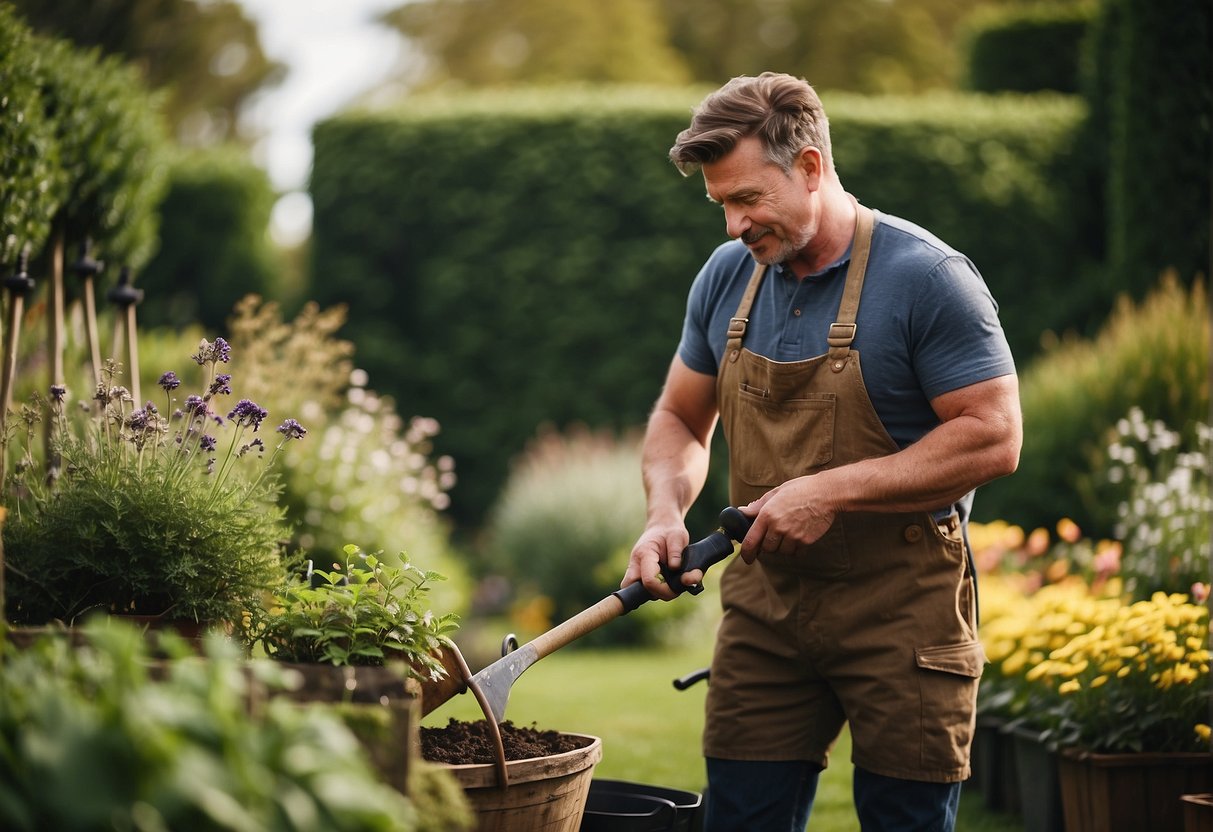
x,y
650,731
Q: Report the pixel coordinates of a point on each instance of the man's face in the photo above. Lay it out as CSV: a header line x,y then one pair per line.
x,y
768,210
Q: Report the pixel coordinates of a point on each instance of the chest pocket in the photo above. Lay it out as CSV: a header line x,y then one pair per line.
x,y
784,436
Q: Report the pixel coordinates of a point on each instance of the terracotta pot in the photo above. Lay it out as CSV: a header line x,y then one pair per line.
x,y
1130,792
544,793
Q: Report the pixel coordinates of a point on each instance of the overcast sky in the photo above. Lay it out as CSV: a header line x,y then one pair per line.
x,y
333,51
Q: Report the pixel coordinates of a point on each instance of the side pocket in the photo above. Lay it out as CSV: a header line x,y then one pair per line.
x,y
947,678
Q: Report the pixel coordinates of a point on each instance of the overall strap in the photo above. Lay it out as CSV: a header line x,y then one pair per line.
x,y
737,324
842,331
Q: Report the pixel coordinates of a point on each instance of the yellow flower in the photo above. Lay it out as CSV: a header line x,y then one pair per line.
x,y
1069,687
1203,732
1098,681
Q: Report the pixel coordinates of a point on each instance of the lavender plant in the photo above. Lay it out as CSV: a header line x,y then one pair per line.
x,y
173,516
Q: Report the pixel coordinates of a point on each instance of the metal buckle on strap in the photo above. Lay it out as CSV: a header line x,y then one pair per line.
x,y
841,335
737,327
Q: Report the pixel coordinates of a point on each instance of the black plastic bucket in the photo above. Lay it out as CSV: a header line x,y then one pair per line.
x,y
620,806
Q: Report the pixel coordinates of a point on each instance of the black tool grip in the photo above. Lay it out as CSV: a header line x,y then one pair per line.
x,y
700,555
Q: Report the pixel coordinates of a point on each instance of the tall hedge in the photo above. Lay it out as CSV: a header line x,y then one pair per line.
x,y
511,260
30,180
1161,139
112,145
1029,48
214,241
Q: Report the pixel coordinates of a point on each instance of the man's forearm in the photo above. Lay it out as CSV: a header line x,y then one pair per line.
x,y
675,467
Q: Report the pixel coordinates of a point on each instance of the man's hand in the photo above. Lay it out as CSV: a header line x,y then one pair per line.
x,y
787,519
657,545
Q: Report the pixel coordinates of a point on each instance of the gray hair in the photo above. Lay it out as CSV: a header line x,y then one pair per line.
x,y
782,111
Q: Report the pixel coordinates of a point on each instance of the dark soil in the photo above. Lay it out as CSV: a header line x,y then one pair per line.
x,y
462,743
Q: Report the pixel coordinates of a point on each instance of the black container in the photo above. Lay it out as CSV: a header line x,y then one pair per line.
x,y
620,806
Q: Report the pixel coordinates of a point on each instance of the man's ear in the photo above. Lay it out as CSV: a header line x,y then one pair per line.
x,y
810,164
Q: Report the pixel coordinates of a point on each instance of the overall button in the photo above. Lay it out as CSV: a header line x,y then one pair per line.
x,y
913,533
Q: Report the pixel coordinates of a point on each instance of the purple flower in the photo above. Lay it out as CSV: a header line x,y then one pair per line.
x,y
207,443
256,444
292,429
248,413
221,384
151,408
195,404
58,393
213,352
169,381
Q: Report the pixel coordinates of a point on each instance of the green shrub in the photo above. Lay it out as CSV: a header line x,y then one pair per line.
x,y
214,240
1026,48
1161,123
366,473
564,526
112,145
93,741
1153,355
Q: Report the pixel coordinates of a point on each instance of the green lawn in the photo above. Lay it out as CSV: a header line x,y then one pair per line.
x,y
650,730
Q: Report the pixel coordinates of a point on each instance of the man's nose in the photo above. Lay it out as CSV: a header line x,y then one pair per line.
x,y
736,222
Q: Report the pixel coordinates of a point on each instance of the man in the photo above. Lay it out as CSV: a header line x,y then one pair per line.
x,y
853,597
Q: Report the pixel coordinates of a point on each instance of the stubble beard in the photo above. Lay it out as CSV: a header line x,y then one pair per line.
x,y
775,249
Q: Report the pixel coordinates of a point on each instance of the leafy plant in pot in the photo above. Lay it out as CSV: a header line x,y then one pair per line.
x,y
362,635
141,514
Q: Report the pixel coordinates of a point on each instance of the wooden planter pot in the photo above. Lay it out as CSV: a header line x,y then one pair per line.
x,y
380,707
1198,812
1130,792
544,793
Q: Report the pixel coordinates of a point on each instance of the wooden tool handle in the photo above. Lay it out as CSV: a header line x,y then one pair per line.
x,y
589,619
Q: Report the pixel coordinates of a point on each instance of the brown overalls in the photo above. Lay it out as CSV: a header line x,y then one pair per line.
x,y
876,624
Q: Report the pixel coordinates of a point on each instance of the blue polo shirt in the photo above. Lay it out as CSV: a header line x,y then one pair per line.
x,y
927,323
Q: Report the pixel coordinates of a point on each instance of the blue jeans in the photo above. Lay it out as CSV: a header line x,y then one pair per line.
x,y
762,796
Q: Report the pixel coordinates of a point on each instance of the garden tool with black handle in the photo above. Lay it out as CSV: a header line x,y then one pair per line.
x,y
492,684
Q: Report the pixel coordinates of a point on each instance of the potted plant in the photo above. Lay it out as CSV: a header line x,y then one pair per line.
x,y
359,634
135,511
1120,689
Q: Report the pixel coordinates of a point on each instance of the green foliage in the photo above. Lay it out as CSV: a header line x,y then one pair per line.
x,y
491,42
93,741
152,516
111,144
366,473
29,177
1026,48
206,56
364,612
564,526
214,241
1160,140
1153,355
515,259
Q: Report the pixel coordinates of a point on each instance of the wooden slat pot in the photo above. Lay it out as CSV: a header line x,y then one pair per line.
x,y
544,793
379,705
1129,792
